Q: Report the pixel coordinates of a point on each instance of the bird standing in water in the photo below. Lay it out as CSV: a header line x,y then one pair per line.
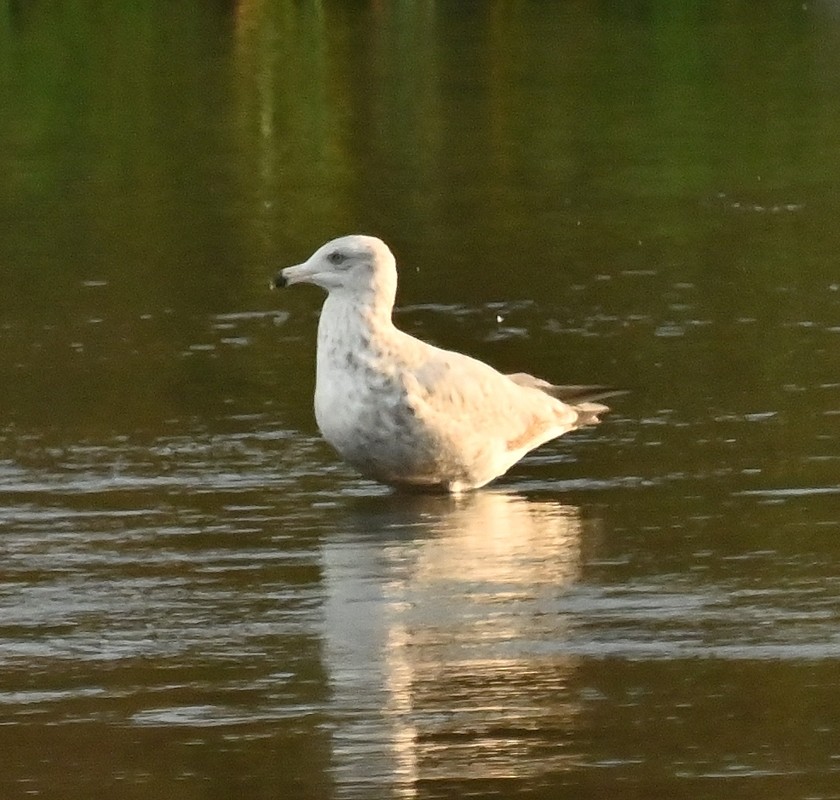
x,y
407,413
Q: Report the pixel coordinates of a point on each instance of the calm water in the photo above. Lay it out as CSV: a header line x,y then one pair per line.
x,y
197,600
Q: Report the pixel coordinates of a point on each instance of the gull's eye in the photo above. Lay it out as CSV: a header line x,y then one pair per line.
x,y
336,257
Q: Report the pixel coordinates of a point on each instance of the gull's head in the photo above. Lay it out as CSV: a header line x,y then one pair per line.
x,y
354,265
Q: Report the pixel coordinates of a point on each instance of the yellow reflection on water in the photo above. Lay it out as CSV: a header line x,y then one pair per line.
x,y
443,641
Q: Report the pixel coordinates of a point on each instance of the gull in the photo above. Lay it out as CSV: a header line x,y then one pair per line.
x,y
407,413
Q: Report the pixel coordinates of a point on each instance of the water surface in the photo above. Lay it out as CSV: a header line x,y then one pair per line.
x,y
197,598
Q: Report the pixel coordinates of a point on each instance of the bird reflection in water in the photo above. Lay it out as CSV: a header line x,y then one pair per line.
x,y
444,638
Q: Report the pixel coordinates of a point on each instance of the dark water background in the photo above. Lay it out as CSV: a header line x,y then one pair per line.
x,y
197,600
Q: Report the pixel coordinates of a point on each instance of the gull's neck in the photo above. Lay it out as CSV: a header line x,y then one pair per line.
x,y
352,324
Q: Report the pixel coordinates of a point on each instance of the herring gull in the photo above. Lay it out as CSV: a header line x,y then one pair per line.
x,y
407,413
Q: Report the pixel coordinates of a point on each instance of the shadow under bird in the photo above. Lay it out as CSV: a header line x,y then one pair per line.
x,y
409,414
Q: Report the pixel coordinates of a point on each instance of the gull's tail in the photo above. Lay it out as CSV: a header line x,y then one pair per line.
x,y
588,413
581,398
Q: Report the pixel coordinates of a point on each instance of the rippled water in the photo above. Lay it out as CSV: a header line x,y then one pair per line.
x,y
651,603
195,599
198,600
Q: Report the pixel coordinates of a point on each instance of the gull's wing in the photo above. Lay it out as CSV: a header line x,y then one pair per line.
x,y
568,394
463,396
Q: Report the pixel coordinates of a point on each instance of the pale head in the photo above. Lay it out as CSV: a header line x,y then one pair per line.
x,y
355,266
